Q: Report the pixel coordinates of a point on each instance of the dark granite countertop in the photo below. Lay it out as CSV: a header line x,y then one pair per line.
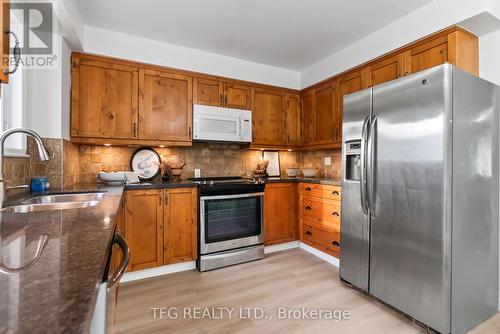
x,y
58,292
329,182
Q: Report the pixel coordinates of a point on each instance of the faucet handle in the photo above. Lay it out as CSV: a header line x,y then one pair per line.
x,y
22,186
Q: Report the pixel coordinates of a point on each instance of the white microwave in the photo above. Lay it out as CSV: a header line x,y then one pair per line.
x,y
221,124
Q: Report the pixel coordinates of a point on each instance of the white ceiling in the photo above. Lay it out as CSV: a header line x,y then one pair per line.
x,y
291,34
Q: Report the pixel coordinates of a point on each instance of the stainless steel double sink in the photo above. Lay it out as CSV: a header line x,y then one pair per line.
x,y
57,202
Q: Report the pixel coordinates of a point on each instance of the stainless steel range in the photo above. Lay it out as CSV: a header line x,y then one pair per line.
x,y
231,221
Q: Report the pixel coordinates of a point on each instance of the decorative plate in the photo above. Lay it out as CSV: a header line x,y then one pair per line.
x,y
145,163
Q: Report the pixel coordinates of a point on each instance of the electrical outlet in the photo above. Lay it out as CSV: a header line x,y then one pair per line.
x,y
197,172
328,161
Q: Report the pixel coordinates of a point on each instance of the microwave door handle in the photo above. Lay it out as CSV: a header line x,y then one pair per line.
x,y
122,243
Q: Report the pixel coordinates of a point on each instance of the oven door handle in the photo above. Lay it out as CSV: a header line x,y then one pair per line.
x,y
207,198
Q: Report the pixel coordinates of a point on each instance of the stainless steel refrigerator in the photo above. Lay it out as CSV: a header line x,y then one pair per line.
x,y
420,202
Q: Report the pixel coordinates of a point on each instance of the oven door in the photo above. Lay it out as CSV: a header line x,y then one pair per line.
x,y
231,221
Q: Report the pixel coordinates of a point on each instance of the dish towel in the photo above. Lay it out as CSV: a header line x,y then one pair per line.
x,y
131,177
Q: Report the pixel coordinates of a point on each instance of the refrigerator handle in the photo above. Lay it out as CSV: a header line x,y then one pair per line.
x,y
370,168
362,179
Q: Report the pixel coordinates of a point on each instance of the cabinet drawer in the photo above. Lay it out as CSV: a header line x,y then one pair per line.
x,y
328,240
320,190
320,210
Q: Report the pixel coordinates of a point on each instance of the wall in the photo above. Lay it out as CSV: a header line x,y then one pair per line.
x,y
426,20
115,44
489,55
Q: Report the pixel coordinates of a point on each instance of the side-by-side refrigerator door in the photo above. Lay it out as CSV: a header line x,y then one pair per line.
x,y
355,222
410,245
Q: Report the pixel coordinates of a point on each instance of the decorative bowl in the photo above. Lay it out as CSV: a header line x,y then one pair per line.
x,y
310,172
176,171
112,177
292,172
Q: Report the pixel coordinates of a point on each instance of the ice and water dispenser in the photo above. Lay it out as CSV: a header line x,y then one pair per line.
x,y
353,160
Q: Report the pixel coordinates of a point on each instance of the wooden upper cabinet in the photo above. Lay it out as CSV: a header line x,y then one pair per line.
x,y
208,92
280,213
458,47
4,39
325,130
237,96
463,51
104,99
307,110
144,227
386,70
268,117
165,106
350,83
180,219
293,119
427,55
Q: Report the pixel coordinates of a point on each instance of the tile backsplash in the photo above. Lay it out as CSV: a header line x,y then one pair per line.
x,y
72,163
211,159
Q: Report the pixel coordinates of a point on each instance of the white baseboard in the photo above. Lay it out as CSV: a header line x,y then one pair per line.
x,y
184,266
281,247
327,257
158,271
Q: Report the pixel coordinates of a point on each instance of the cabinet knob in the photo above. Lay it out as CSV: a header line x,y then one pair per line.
x,y
308,189
308,208
336,243
334,213
309,233
335,192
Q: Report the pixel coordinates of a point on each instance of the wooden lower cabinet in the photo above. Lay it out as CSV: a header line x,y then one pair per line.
x,y
144,228
160,226
180,220
280,213
319,217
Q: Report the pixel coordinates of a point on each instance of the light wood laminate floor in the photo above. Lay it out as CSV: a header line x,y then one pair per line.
x,y
289,279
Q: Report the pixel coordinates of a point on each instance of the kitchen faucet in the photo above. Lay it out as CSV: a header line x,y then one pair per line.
x,y
42,151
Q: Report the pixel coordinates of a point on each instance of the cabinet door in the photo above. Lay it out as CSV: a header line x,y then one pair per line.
x,y
348,84
104,99
307,110
428,55
208,92
386,70
293,119
4,40
280,210
165,106
324,114
180,233
268,117
144,228
237,96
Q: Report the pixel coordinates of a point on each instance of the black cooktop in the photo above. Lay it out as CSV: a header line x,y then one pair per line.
x,y
228,185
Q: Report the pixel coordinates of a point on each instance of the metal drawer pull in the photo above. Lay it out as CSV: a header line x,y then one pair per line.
x,y
334,213
309,233
308,208
308,189
336,243
335,192
120,241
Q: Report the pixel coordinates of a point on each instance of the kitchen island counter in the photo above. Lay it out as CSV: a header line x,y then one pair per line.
x,y
57,292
